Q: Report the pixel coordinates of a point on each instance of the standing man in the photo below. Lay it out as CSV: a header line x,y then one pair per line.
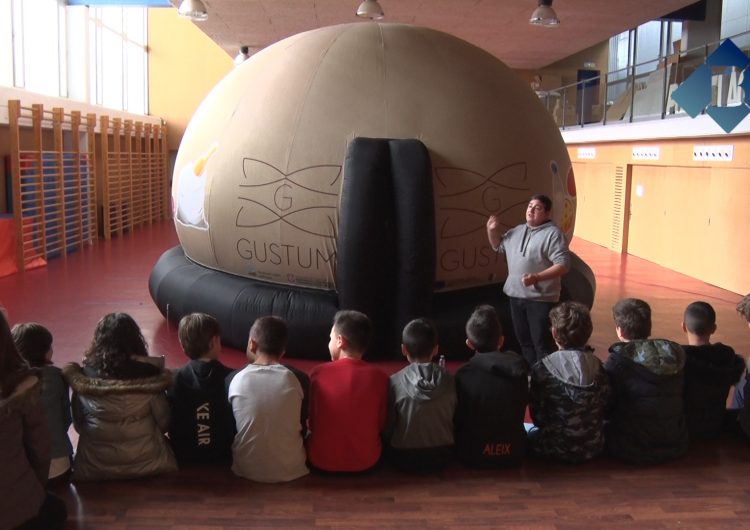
x,y
537,255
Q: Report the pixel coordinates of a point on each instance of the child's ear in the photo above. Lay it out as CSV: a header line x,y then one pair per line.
x,y
500,342
556,337
404,351
684,327
470,345
713,329
434,351
252,349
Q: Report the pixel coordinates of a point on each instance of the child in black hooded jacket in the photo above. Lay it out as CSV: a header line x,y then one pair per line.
x,y
201,425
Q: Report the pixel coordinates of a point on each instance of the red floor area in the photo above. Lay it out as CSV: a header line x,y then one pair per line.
x,y
69,296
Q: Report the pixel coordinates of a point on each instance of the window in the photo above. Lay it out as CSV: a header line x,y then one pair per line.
x,y
6,44
95,55
639,51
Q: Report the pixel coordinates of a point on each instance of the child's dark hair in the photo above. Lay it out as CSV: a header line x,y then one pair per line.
x,y
195,332
633,317
355,327
743,307
13,367
483,329
420,338
700,318
270,333
117,338
33,341
571,324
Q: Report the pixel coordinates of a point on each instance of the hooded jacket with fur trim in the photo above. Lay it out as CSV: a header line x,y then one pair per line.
x,y
120,425
24,453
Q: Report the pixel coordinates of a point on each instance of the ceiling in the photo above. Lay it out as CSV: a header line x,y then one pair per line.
x,y
498,26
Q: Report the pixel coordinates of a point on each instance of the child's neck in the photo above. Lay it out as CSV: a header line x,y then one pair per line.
x,y
265,359
698,340
345,354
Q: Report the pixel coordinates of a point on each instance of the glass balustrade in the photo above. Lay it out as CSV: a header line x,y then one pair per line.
x,y
644,91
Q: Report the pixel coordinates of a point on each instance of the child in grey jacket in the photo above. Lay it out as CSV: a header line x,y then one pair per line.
x,y
422,401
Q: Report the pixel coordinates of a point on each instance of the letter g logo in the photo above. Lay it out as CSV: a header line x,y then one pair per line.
x,y
281,198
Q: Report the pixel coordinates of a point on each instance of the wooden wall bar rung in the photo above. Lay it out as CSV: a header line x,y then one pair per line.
x,y
58,188
52,178
132,186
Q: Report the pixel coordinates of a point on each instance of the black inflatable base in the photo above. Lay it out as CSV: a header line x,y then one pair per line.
x,y
179,287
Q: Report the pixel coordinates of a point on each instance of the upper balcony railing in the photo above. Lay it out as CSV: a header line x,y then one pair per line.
x,y
643,91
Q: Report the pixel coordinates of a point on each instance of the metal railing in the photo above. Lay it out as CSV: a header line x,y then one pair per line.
x,y
630,96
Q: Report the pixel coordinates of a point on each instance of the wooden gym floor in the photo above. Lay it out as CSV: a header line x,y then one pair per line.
x,y
707,489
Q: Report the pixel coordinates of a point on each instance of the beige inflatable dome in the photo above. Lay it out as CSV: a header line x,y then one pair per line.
x,y
258,177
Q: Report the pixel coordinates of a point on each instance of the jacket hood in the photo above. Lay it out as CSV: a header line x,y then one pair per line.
x,y
93,386
658,356
506,364
714,362
427,381
200,374
529,231
25,393
573,367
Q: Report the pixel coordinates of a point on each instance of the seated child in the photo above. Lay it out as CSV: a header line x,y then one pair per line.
x,y
34,342
422,402
201,426
710,370
492,394
348,401
646,417
569,391
119,407
24,445
266,398
743,308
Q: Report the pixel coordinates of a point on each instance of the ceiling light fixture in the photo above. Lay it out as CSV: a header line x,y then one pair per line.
x,y
370,9
544,15
195,10
243,56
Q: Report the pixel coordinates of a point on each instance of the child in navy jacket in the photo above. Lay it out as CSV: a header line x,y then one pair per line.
x,y
201,425
492,393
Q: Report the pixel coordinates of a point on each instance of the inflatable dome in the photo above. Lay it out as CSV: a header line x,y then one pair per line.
x,y
355,166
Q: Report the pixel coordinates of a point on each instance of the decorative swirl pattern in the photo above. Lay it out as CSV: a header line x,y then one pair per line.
x,y
306,199
466,198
